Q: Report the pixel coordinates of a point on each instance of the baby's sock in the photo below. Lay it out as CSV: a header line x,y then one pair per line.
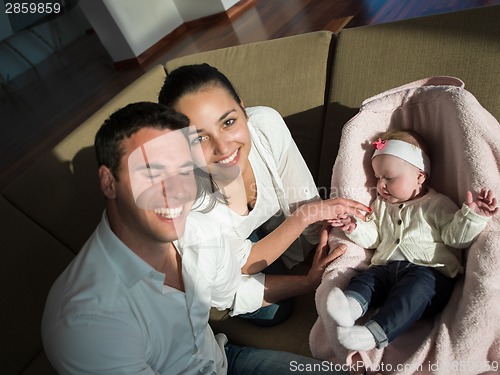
x,y
344,310
356,338
356,308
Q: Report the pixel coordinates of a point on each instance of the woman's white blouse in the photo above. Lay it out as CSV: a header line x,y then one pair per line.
x,y
284,182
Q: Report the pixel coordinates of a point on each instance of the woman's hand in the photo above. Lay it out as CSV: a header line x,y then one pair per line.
x,y
270,248
331,209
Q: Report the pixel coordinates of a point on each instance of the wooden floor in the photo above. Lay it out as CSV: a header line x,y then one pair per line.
x,y
40,108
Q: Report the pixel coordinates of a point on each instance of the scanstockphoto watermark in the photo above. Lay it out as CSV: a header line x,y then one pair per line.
x,y
445,367
442,367
324,367
334,192
465,366
295,194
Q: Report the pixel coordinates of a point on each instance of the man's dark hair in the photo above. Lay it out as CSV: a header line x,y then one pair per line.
x,y
127,121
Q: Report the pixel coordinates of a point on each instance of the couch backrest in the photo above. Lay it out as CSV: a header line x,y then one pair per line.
x,y
31,259
373,59
61,192
288,74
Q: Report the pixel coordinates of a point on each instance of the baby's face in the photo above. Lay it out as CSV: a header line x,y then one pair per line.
x,y
397,180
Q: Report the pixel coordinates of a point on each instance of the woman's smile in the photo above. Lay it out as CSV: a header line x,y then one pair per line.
x,y
231,159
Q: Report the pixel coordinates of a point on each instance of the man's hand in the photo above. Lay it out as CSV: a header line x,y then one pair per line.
x,y
322,258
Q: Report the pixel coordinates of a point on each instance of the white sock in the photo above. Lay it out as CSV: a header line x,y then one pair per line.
x,y
344,310
356,308
356,338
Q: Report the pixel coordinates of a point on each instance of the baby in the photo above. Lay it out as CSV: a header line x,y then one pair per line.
x,y
415,232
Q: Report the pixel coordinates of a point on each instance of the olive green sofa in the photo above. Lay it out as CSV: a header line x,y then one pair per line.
x,y
317,81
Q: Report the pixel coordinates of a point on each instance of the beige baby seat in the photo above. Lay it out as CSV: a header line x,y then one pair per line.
x,y
464,140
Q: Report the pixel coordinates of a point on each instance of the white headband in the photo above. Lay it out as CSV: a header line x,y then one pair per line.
x,y
403,150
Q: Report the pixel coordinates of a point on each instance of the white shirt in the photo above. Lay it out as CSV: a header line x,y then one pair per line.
x,y
284,182
110,313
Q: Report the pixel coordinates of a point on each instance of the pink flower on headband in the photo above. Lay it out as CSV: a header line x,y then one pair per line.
x,y
379,144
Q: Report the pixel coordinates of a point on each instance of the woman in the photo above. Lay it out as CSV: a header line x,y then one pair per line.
x,y
252,158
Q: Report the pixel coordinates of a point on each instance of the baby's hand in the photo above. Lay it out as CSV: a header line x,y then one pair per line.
x,y
345,222
485,204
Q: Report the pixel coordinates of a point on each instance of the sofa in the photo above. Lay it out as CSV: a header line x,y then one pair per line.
x,y
317,81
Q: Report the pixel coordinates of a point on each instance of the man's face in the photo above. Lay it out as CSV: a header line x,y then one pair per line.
x,y
156,186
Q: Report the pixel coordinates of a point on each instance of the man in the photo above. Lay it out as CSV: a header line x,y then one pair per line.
x,y
136,299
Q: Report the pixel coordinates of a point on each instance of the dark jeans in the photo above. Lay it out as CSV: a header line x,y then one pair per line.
x,y
404,293
250,361
277,312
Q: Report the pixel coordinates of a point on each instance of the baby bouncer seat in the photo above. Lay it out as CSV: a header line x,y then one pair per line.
x,y
464,139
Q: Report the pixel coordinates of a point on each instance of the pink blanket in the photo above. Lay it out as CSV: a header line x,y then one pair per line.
x,y
465,143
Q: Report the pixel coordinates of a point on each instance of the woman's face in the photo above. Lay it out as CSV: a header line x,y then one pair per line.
x,y
222,129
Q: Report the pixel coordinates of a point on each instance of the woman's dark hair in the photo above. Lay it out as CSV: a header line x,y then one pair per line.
x,y
191,78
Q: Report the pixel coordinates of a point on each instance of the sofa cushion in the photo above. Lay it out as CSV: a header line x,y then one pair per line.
x,y
372,59
288,74
60,192
31,260
292,335
39,366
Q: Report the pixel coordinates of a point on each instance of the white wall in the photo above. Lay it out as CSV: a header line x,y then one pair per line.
x,y
143,23
127,28
193,9
229,3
